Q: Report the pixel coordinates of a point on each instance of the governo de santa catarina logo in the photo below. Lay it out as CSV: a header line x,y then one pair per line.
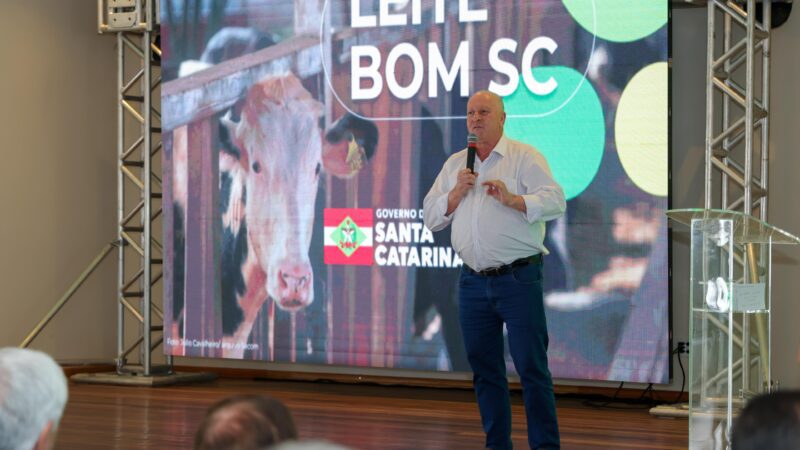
x,y
348,236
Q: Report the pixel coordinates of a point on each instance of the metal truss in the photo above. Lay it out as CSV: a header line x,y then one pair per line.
x,y
135,23
736,156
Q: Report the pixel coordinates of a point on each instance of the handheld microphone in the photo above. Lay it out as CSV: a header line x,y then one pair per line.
x,y
472,145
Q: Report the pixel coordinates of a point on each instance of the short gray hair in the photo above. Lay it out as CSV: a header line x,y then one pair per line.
x,y
312,444
33,392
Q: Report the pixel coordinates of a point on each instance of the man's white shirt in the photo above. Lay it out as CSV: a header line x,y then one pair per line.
x,y
486,233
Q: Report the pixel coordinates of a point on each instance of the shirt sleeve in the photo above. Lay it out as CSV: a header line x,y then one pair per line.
x,y
435,203
544,197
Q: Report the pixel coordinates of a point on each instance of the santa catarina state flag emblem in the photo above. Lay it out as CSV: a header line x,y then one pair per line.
x,y
348,236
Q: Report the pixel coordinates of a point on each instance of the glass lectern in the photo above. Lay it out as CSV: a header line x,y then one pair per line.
x,y
729,325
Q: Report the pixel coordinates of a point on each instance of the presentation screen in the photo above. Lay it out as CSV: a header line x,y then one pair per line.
x,y
300,138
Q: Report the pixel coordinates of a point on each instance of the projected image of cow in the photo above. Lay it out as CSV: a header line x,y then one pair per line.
x,y
270,163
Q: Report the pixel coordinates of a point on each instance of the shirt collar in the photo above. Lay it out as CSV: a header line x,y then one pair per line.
x,y
502,146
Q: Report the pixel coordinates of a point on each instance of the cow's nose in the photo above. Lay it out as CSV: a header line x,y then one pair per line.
x,y
294,280
294,283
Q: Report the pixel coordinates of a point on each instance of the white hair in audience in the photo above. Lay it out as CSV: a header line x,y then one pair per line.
x,y
33,393
309,445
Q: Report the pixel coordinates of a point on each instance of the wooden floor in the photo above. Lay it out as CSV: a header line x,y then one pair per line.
x,y
361,416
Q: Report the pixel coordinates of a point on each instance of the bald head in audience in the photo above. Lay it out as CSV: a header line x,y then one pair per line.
x,y
246,422
309,445
33,394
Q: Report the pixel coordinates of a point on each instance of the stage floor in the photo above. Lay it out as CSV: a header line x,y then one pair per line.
x,y
362,416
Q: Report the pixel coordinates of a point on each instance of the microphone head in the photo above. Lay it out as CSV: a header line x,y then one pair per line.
x,y
472,147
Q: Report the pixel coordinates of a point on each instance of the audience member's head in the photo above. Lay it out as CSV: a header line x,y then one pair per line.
x,y
245,422
769,421
309,445
33,393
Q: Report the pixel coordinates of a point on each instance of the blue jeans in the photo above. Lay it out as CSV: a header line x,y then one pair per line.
x,y
485,303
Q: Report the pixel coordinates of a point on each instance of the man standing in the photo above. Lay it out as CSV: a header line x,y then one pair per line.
x,y
498,214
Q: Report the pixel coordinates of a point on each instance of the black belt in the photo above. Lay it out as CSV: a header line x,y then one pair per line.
x,y
507,268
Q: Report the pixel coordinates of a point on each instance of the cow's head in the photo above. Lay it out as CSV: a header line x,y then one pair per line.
x,y
281,153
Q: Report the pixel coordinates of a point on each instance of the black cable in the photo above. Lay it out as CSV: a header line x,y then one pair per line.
x,y
604,404
683,379
677,351
649,389
641,402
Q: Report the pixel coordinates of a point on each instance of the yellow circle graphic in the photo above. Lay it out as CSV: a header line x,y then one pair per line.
x,y
641,128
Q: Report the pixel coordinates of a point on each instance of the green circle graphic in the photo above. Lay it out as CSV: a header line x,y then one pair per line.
x,y
641,128
619,20
571,139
